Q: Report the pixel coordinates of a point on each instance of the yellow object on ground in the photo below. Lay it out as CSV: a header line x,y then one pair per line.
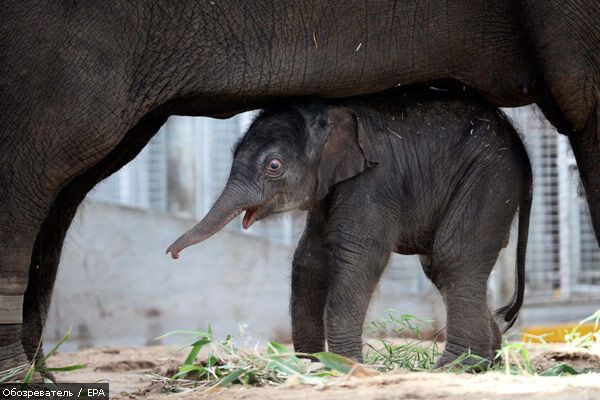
x,y
554,333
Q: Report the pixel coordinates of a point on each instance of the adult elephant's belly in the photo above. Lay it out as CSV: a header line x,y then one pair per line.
x,y
360,49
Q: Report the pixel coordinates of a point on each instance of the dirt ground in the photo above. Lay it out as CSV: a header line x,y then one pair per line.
x,y
130,374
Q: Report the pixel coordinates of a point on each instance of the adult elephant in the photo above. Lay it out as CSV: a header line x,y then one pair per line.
x,y
85,85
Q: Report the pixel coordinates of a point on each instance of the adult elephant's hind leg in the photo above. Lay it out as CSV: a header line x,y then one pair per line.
x,y
586,147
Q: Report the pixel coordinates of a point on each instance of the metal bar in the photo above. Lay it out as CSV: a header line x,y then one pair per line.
x,y
564,216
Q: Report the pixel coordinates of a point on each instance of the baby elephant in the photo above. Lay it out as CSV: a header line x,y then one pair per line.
x,y
413,172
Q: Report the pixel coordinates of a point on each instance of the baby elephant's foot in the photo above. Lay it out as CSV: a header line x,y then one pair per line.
x,y
353,352
464,359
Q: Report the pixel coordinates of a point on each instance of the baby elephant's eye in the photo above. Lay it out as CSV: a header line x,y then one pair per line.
x,y
274,166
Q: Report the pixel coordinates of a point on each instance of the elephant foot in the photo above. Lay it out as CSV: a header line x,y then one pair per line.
x,y
351,350
13,363
15,369
456,357
307,347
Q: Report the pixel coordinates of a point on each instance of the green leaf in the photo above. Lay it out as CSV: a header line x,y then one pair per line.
x,y
61,369
211,361
594,317
282,359
196,347
560,369
11,373
186,332
314,379
54,349
407,317
278,347
186,369
28,375
232,377
284,366
336,362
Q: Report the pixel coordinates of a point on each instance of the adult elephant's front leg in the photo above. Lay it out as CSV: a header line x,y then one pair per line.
x,y
21,216
49,241
586,147
44,265
309,290
356,264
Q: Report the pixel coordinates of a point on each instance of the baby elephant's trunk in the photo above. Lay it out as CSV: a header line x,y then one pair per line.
x,y
228,206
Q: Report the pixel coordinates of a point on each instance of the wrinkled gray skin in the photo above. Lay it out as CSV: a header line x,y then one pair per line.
x,y
85,84
432,174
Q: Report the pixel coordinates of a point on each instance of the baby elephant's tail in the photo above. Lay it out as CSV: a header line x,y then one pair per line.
x,y
507,315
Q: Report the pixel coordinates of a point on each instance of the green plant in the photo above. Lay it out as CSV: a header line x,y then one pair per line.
x,y
469,363
515,358
225,364
395,324
575,340
414,355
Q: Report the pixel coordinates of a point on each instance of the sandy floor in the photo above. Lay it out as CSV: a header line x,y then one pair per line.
x,y
129,372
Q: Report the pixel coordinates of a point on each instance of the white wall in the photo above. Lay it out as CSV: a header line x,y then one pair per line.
x,y
116,286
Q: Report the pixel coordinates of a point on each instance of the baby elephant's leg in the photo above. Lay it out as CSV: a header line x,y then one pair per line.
x,y
350,291
469,332
466,248
355,264
309,294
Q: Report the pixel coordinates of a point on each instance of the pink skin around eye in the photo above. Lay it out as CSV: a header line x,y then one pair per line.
x,y
274,165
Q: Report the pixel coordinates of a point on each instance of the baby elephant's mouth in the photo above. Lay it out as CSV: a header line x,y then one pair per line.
x,y
250,217
258,212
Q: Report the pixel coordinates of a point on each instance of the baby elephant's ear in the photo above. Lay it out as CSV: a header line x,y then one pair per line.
x,y
347,150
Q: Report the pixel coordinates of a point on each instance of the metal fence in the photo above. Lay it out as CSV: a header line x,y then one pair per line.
x,y
186,165
563,258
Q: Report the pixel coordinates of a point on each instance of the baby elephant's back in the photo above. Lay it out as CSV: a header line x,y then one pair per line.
x,y
474,138
445,128
440,144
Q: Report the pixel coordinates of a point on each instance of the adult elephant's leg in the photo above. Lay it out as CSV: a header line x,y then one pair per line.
x,y
586,147
309,288
42,273
48,245
567,53
24,206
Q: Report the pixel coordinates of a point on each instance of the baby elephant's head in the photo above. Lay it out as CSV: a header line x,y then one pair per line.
x,y
288,159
